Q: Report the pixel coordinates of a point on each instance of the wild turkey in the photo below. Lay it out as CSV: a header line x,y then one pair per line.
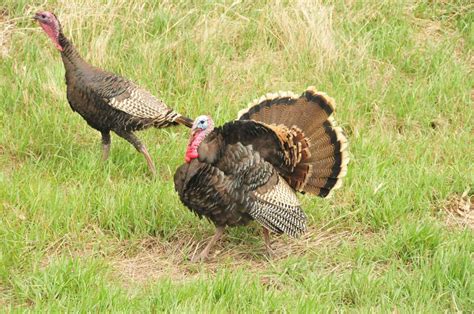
x,y
106,101
249,169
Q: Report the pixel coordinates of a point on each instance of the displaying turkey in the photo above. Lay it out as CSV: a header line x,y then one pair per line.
x,y
249,169
106,101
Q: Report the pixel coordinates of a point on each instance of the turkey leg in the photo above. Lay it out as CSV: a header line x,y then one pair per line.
x,y
133,139
268,245
105,145
204,254
149,162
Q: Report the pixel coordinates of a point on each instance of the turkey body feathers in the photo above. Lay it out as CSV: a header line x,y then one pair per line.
x,y
109,102
204,189
231,183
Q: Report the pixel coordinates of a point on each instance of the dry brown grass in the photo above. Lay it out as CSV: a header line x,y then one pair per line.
x,y
304,25
291,30
90,24
219,25
155,260
152,259
4,294
459,210
6,29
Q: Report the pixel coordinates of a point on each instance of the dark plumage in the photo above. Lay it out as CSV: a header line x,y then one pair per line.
x,y
106,101
249,169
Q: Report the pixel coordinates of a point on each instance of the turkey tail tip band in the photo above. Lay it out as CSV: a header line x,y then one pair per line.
x,y
326,102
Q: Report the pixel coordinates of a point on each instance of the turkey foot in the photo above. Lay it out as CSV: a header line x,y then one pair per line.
x,y
268,245
205,253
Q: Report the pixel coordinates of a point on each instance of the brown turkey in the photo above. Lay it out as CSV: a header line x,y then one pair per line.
x,y
106,101
249,169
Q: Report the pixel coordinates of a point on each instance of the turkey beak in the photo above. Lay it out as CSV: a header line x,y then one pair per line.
x,y
37,17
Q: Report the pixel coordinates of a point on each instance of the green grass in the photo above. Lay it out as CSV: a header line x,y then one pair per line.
x,y
84,235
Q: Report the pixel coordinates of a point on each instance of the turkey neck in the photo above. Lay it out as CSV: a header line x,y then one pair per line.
x,y
71,58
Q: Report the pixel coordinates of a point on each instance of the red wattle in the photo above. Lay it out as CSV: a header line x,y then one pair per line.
x,y
190,155
53,34
191,151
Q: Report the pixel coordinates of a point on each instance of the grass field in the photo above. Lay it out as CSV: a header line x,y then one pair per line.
x,y
80,234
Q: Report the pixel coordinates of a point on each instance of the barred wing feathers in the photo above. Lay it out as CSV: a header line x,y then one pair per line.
x,y
126,96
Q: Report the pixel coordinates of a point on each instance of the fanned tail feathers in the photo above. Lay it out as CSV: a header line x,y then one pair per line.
x,y
315,147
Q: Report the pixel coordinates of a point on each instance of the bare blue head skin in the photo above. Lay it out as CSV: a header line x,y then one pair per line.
x,y
202,122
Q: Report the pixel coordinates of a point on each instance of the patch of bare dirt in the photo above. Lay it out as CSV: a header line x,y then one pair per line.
x,y
156,259
460,210
6,30
3,299
439,123
152,259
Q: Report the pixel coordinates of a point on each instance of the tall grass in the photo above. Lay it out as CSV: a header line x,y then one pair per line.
x,y
74,229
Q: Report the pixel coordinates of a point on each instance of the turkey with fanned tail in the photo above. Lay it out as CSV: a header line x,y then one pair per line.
x,y
250,168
